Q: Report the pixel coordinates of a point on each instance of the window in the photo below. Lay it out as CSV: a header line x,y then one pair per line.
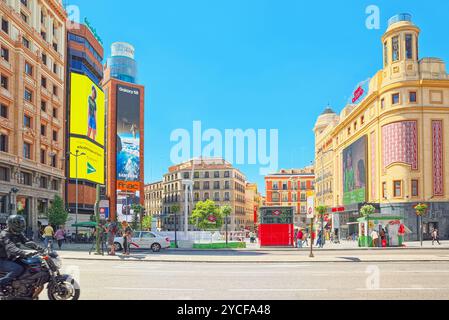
x,y
206,174
44,106
303,197
25,178
227,185
196,197
43,183
385,53
196,175
412,97
28,95
55,46
4,82
28,69
284,186
44,35
275,197
206,185
26,121
24,2
415,188
216,174
5,26
206,196
227,197
216,185
3,111
409,46
216,196
25,42
4,174
397,190
55,115
384,190
24,16
5,53
303,185
43,156
196,185
395,46
44,58
55,68
3,143
43,130
226,174
27,150
382,103
275,186
294,197
55,185
185,175
53,160
349,131
355,126
55,90
44,82
395,98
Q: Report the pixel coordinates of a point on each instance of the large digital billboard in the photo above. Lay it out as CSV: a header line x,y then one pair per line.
x,y
87,129
87,112
128,134
354,172
91,164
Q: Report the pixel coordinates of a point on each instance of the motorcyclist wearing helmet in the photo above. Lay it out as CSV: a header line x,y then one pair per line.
x,y
10,251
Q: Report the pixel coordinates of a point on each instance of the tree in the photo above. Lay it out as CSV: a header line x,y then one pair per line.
x,y
206,216
421,210
225,213
138,209
57,214
147,222
367,211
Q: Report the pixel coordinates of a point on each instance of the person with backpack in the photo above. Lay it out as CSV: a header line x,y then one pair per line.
x,y
435,237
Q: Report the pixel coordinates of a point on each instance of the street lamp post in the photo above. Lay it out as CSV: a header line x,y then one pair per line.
x,y
77,154
323,238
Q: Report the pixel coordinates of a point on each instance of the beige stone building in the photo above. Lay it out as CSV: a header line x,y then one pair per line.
x,y
253,201
32,69
154,193
214,179
390,144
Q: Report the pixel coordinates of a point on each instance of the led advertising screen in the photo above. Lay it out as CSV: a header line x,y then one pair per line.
x,y
91,164
87,112
128,135
354,172
87,129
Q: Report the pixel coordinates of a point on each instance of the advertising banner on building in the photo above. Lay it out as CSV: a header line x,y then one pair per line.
x,y
87,129
128,150
87,112
354,172
91,165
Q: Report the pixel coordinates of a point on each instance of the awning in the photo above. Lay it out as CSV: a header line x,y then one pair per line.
x,y
89,224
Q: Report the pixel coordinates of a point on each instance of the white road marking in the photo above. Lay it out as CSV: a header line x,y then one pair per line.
x,y
403,289
150,289
278,290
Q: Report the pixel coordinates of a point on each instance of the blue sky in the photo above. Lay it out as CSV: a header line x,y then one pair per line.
x,y
261,64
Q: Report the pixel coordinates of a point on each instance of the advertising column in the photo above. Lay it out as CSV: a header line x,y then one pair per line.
x,y
128,151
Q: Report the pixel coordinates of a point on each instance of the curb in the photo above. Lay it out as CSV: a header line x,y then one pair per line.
x,y
260,262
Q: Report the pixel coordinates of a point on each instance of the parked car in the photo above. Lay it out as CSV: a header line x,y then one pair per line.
x,y
145,240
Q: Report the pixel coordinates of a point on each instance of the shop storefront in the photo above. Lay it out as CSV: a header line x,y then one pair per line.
x,y
381,231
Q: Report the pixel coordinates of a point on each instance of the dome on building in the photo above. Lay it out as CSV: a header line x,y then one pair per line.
x,y
327,116
401,19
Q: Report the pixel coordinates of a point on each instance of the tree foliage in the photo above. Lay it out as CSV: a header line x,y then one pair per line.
x,y
201,216
147,222
421,209
321,210
57,214
367,210
138,209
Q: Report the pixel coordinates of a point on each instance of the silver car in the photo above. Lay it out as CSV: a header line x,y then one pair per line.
x,y
144,240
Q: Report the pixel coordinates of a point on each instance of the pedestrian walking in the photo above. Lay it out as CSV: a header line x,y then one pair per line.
x,y
319,241
375,238
435,237
112,232
48,235
299,239
127,238
60,236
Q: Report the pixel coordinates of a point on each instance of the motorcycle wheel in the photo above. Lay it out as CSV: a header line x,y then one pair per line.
x,y
64,291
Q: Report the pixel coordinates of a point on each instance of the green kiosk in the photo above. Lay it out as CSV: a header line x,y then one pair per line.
x,y
390,231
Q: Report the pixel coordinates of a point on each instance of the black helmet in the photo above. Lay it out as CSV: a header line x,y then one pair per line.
x,y
16,224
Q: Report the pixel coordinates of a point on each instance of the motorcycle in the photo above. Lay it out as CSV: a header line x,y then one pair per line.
x,y
41,269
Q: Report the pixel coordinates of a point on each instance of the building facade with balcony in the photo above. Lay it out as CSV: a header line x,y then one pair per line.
x,y
32,119
214,179
390,144
290,188
154,194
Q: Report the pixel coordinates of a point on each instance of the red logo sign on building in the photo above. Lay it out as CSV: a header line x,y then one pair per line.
x,y
277,213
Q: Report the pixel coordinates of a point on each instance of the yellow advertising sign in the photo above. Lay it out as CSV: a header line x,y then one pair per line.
x,y
87,113
91,165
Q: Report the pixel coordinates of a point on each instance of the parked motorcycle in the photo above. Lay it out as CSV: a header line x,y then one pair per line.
x,y
42,269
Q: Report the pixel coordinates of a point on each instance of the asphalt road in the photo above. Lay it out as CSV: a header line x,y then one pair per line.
x,y
118,280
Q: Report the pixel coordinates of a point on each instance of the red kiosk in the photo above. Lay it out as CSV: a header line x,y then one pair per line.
x,y
276,227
